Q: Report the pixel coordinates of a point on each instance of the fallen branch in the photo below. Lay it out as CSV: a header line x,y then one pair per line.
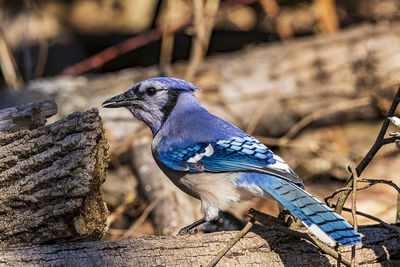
x,y
267,220
380,141
8,66
227,78
371,183
136,42
142,217
260,247
307,120
204,19
354,211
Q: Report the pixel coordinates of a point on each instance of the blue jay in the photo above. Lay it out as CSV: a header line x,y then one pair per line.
x,y
219,164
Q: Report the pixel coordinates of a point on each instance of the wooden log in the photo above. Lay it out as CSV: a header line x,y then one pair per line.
x,y
27,116
175,209
261,247
281,82
288,82
51,176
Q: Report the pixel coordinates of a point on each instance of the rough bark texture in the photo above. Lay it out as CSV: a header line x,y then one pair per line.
x,y
28,116
50,179
259,248
175,209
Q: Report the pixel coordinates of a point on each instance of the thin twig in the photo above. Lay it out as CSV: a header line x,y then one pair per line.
x,y
353,212
326,199
296,128
167,42
112,52
142,217
380,181
300,125
371,183
231,243
379,142
204,19
325,12
8,66
199,45
265,220
43,48
255,118
280,23
42,58
384,224
136,42
398,208
389,140
262,217
129,199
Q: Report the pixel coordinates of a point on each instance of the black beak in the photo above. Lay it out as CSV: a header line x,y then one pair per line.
x,y
122,100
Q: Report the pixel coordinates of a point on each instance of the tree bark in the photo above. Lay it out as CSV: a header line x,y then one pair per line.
x,y
261,247
27,116
51,176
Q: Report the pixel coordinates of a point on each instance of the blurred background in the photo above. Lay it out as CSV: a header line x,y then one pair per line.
x,y
311,79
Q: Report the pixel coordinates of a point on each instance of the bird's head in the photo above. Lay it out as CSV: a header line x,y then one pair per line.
x,y
152,100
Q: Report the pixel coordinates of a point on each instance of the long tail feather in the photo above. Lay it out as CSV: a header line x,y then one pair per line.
x,y
324,223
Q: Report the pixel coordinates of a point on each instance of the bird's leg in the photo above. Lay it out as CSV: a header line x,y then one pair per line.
x,y
186,230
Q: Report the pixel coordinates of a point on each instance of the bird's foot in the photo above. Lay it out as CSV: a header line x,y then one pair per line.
x,y
190,229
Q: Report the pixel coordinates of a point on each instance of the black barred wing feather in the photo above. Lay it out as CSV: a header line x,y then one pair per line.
x,y
230,155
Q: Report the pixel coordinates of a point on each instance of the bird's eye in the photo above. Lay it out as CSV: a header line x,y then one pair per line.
x,y
151,91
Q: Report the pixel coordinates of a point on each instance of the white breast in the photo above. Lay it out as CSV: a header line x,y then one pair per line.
x,y
217,191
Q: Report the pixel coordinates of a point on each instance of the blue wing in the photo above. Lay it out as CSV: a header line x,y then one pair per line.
x,y
229,155
249,156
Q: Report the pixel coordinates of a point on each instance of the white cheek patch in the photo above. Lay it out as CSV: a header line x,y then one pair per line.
x,y
208,152
153,113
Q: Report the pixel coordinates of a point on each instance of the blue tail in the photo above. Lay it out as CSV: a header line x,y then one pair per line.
x,y
324,223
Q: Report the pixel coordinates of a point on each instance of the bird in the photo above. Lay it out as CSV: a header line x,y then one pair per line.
x,y
218,163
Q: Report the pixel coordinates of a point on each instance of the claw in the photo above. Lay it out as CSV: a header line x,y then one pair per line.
x,y
190,229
